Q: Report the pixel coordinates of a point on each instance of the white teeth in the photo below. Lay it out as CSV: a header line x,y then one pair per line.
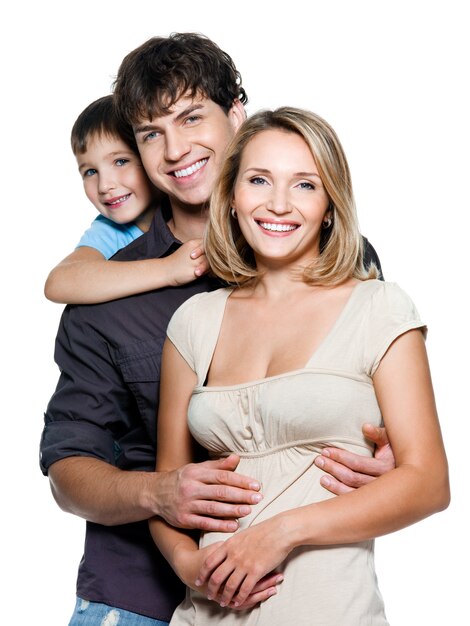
x,y
190,170
121,199
277,227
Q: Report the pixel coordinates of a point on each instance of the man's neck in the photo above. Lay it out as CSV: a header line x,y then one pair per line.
x,y
188,222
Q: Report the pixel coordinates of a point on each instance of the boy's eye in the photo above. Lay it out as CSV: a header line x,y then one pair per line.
x,y
89,172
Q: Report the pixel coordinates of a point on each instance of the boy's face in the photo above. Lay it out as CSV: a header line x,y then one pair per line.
x,y
183,151
115,181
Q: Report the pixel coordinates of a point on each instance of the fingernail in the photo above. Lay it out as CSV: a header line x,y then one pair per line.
x,y
223,604
272,592
255,486
257,497
319,462
197,582
245,510
325,481
326,452
279,579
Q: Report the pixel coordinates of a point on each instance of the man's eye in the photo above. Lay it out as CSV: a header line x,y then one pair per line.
x,y
150,136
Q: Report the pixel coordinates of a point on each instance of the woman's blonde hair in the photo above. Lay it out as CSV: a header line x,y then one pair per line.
x,y
341,244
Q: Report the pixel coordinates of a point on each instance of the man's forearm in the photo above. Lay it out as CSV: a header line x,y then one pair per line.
x,y
102,493
205,496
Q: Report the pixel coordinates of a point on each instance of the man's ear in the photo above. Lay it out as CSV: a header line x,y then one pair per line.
x,y
237,114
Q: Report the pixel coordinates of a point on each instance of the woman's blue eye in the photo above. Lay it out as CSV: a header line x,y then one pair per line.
x,y
306,185
257,180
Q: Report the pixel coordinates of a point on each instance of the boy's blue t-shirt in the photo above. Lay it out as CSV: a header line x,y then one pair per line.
x,y
108,237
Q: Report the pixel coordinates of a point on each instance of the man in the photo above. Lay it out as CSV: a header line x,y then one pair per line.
x,y
184,99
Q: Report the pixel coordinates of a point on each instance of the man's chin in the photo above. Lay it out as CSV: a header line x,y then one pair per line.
x,y
189,203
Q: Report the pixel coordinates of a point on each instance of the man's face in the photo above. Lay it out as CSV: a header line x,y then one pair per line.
x,y
183,151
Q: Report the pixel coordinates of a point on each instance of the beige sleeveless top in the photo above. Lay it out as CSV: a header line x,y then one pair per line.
x,y
278,425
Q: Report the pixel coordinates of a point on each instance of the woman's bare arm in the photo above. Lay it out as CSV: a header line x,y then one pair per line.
x,y
175,449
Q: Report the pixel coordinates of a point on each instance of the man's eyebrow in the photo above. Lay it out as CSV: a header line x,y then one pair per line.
x,y
187,111
196,106
145,128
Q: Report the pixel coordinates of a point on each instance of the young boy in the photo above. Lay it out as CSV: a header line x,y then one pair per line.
x,y
116,184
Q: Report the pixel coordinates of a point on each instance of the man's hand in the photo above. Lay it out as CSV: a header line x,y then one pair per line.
x,y
208,496
349,471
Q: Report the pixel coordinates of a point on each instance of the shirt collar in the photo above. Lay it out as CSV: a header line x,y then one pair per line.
x,y
157,242
160,237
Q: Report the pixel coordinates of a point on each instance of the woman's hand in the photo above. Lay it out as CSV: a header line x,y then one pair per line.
x,y
231,573
189,563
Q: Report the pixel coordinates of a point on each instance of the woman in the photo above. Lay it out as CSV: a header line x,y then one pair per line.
x,y
294,357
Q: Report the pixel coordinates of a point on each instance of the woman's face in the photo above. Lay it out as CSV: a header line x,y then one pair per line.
x,y
280,199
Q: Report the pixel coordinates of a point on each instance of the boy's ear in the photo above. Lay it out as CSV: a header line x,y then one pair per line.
x,y
237,114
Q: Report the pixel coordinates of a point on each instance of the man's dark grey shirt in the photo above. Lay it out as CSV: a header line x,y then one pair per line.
x,y
105,407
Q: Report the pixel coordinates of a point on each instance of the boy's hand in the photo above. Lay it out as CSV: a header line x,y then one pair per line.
x,y
187,263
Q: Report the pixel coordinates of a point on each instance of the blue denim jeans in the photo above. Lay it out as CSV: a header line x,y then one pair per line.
x,y
97,614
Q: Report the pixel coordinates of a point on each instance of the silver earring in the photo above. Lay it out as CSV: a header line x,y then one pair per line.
x,y
234,213
327,222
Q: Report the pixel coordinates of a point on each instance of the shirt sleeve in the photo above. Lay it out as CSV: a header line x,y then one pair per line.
x,y
392,313
108,237
180,330
91,407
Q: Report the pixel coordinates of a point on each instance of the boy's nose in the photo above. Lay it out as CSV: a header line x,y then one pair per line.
x,y
106,184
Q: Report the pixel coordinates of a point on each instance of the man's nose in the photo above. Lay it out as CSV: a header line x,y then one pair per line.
x,y
176,145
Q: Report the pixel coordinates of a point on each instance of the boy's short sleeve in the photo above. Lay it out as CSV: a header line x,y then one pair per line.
x,y
392,313
108,237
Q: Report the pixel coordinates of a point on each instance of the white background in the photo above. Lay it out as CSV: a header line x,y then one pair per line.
x,y
391,77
